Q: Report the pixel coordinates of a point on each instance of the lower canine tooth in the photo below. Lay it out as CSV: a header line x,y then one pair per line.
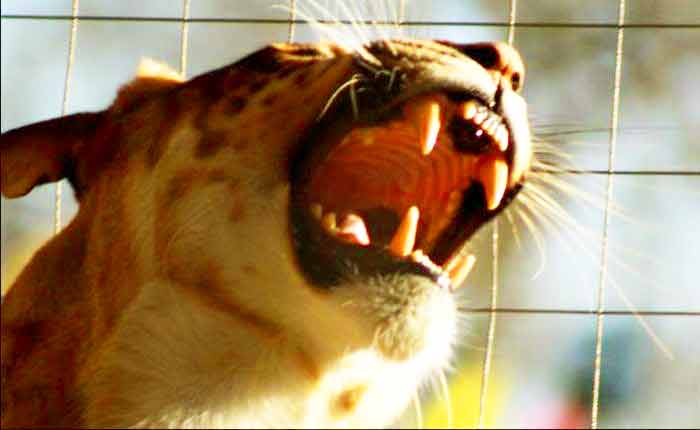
x,y
493,175
405,237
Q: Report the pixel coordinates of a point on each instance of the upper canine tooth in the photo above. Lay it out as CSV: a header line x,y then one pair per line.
x,y
405,237
469,109
493,175
425,114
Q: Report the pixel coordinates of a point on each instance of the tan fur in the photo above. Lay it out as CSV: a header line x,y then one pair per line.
x,y
173,297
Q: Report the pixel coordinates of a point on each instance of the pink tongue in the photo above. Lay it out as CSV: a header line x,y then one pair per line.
x,y
352,229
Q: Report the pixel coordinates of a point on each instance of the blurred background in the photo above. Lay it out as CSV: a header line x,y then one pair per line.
x,y
553,256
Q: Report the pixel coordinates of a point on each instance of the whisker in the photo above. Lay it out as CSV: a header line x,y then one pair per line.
x,y
536,233
665,349
570,222
418,410
353,101
513,227
446,397
350,82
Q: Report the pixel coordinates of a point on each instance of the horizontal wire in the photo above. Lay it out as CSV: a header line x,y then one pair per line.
x,y
590,312
347,22
618,172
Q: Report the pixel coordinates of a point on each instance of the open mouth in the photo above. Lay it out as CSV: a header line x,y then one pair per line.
x,y
403,189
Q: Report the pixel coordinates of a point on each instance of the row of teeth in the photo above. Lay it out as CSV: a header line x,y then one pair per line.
x,y
351,228
492,171
426,114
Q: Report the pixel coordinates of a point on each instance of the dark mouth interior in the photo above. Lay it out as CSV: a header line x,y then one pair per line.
x,y
359,182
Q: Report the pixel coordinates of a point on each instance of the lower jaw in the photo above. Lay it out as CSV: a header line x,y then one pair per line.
x,y
412,318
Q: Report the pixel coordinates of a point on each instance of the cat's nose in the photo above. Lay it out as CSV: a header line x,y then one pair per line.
x,y
500,59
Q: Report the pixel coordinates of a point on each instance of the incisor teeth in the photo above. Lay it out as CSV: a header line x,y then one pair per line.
x,y
459,269
493,175
353,228
480,116
502,137
490,125
405,237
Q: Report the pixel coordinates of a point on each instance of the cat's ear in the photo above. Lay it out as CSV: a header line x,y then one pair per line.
x,y
44,152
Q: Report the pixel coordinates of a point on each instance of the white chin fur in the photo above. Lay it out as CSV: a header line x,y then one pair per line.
x,y
413,318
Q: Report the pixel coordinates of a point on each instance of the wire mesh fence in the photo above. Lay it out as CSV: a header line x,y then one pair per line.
x,y
615,147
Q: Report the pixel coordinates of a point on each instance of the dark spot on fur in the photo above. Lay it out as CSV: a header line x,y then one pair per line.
x,y
286,71
257,85
249,269
237,212
167,124
236,105
219,175
266,60
300,78
180,185
240,145
307,51
210,144
269,99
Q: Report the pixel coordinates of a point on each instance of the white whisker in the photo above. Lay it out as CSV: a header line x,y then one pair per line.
x,y
536,234
418,410
350,82
446,397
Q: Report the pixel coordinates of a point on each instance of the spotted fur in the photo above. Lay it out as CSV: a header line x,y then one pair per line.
x,y
174,298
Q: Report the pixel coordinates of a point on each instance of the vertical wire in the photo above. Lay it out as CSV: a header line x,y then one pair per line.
x,y
58,196
491,337
511,20
292,19
614,120
184,37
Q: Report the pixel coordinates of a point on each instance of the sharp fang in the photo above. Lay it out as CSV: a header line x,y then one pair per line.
x,y
405,238
329,222
493,175
460,269
469,109
428,126
425,114
353,228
